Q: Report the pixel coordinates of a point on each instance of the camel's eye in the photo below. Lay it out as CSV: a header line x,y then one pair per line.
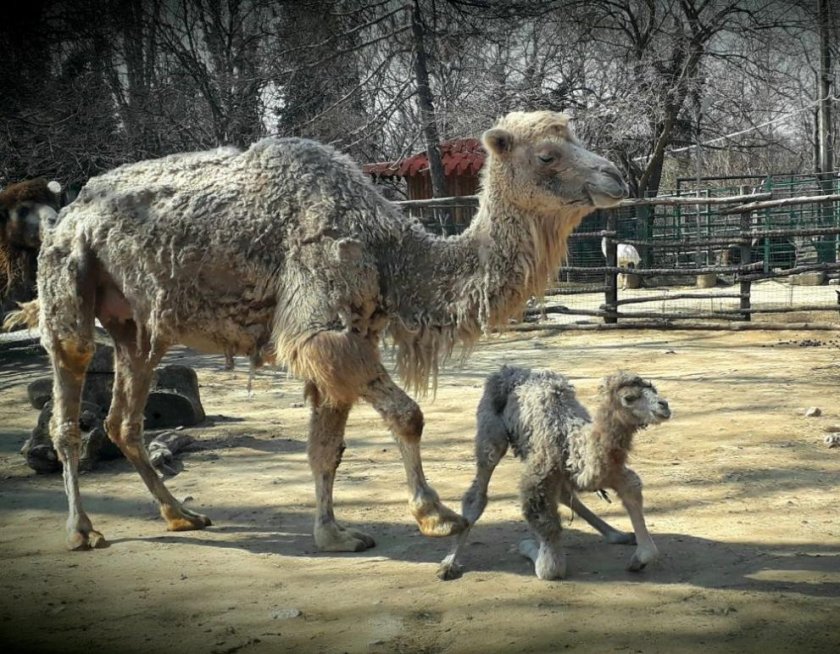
x,y
22,212
545,158
632,398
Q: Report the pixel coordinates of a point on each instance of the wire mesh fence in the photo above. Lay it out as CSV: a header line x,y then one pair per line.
x,y
743,249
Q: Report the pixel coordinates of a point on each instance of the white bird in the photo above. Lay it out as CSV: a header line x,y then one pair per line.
x,y
626,255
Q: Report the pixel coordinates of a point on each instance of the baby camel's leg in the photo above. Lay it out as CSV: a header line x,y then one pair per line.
x,y
405,419
612,535
326,444
490,446
539,506
133,371
629,489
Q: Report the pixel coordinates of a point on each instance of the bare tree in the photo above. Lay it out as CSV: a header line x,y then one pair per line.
x,y
93,83
425,102
57,116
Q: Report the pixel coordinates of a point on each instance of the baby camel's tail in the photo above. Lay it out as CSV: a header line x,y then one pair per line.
x,y
26,316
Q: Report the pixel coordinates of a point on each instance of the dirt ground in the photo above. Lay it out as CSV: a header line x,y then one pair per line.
x,y
742,498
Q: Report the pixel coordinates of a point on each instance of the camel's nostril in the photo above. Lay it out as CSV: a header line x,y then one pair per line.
x,y
613,173
615,187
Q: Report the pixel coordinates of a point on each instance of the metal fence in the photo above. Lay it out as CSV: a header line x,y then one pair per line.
x,y
757,252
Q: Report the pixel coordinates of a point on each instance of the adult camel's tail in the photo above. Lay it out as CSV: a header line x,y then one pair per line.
x,y
26,316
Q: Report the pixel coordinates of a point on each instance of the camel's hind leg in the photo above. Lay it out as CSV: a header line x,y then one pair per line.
x,y
70,359
326,445
610,533
133,371
539,506
491,444
66,291
405,419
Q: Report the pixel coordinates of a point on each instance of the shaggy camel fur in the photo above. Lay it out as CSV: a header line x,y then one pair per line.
x,y
285,252
564,452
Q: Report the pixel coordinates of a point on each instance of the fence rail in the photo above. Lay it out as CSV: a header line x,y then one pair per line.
x,y
751,255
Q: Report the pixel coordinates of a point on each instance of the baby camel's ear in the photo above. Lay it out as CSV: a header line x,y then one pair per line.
x,y
604,386
498,141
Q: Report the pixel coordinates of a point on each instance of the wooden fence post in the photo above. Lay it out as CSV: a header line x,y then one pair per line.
x,y
746,248
645,217
611,277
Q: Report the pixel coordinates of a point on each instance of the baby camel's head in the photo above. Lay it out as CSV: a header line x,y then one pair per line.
x,y
633,400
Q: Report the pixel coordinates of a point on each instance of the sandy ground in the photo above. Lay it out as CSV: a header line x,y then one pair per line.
x,y
742,498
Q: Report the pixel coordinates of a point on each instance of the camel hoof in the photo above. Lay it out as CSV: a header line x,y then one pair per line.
x,y
438,521
338,539
620,538
635,565
639,561
80,541
184,520
642,556
551,573
449,571
367,541
548,565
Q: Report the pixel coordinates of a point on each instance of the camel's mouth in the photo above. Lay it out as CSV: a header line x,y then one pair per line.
x,y
605,186
606,198
603,201
661,414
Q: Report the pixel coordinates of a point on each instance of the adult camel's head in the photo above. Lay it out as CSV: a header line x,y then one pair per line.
x,y
24,207
536,162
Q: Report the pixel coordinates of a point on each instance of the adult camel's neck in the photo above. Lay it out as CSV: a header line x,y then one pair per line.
x,y
451,290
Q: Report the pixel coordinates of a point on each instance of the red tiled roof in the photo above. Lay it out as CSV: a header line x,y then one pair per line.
x,y
459,157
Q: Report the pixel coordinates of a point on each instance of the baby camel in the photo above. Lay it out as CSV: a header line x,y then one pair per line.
x,y
564,451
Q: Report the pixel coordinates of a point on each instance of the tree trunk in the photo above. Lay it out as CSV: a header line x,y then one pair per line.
x,y
826,163
652,176
426,106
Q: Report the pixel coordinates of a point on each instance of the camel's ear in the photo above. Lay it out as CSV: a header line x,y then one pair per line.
x,y
498,141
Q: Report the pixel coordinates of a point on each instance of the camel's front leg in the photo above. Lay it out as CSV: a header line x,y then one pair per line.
x,y
472,506
326,444
133,372
629,489
405,419
491,445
